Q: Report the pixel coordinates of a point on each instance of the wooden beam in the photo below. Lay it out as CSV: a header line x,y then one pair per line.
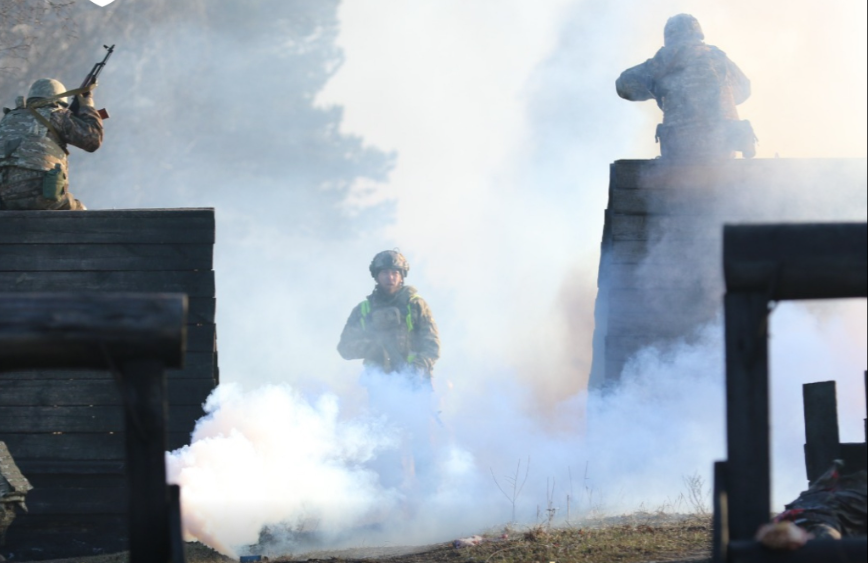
x,y
117,226
797,261
64,330
104,257
847,550
747,413
822,439
194,284
145,389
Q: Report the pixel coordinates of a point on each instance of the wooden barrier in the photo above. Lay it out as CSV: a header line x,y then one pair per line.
x,y
744,480
135,337
66,428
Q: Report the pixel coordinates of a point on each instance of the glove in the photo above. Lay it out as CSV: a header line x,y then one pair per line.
x,y
376,353
85,100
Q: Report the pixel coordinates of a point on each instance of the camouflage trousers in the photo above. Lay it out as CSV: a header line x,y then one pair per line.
x,y
21,190
706,141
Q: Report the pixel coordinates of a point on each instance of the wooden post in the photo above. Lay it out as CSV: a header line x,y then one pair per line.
x,y
138,336
145,384
822,439
176,525
720,523
747,413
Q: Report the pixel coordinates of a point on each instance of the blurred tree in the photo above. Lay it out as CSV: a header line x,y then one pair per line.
x,y
21,22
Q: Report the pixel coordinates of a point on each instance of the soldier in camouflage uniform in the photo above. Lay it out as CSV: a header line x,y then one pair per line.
x,y
834,506
698,89
33,146
392,329
13,489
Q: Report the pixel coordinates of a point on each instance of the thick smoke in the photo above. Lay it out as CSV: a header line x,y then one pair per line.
x,y
476,137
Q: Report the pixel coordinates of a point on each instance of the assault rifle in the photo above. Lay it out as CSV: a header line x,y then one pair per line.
x,y
90,80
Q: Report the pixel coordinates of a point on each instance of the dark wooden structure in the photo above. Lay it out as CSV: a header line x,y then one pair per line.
x,y
66,427
660,275
822,442
764,264
135,337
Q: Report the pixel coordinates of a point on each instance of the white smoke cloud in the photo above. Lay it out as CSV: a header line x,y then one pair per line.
x,y
504,120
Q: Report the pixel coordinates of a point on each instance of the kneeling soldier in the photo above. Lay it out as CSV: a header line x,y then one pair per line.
x,y
33,146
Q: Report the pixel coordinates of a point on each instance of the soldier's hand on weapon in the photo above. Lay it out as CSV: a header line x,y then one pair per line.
x,y
376,353
85,98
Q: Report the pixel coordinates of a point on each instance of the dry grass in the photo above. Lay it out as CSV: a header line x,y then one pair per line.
x,y
629,541
639,538
633,539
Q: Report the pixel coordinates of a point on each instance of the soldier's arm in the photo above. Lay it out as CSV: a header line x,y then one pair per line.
x,y
426,339
354,341
84,130
637,83
740,83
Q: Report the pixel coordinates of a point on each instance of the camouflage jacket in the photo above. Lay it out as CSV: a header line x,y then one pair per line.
x,y
836,500
27,143
392,332
691,82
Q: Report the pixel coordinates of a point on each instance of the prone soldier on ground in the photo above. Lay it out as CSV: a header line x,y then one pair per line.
x,y
698,88
835,506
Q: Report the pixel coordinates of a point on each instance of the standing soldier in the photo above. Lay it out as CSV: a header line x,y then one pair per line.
x,y
33,146
392,329
698,89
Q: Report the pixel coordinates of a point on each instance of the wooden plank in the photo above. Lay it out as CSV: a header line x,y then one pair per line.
x,y
37,538
49,467
737,174
669,201
202,338
194,284
720,514
798,261
822,439
847,550
75,501
855,456
197,365
105,257
747,413
667,273
97,418
655,227
202,310
92,392
153,226
50,330
101,447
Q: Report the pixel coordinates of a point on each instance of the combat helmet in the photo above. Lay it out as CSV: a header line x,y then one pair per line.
x,y
389,260
47,88
682,28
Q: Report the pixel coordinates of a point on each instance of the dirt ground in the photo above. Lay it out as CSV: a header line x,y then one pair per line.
x,y
631,540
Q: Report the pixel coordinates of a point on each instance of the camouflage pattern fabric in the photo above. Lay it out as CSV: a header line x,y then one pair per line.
x,y
833,507
392,332
698,89
13,490
29,150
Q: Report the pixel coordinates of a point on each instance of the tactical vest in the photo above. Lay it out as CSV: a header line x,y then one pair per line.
x,y
394,323
26,143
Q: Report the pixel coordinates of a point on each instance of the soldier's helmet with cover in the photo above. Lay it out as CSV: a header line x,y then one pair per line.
x,y
389,260
681,29
47,88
